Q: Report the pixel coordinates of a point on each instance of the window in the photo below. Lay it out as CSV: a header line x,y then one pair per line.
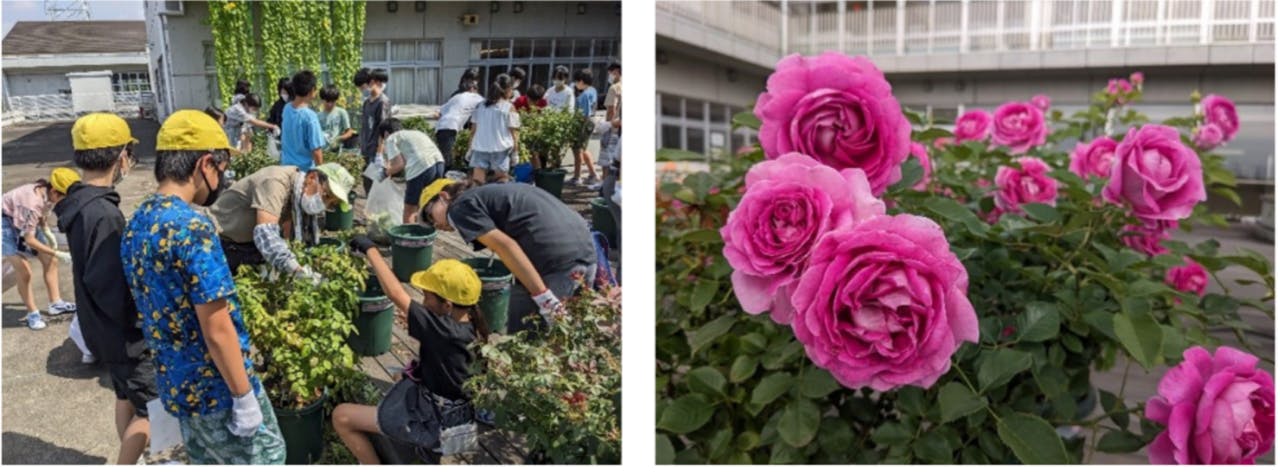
x,y
130,82
540,56
699,126
413,68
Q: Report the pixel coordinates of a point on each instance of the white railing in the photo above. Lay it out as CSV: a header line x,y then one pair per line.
x,y
917,27
61,107
54,107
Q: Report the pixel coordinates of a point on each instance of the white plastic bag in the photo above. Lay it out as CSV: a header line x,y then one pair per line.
x,y
385,207
165,431
374,170
10,277
273,146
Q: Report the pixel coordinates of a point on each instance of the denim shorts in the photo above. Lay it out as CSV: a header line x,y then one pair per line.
x,y
499,161
13,243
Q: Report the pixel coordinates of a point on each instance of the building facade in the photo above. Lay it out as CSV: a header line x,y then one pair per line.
x,y
425,46
945,56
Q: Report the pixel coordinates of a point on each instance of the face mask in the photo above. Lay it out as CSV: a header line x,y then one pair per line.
x,y
284,96
612,79
365,93
559,84
312,204
213,195
384,90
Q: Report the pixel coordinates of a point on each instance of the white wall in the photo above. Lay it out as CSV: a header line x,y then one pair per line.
x,y
35,83
692,76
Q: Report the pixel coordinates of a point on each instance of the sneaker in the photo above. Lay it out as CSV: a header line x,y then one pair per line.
x,y
88,359
58,308
594,187
34,321
590,182
573,181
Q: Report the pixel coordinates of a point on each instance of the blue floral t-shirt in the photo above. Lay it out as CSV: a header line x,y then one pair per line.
x,y
173,262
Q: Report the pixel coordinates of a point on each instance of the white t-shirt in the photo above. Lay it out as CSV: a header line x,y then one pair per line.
x,y
418,150
457,111
493,127
560,100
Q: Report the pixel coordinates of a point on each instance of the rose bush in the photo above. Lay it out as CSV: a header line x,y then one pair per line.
x,y
928,335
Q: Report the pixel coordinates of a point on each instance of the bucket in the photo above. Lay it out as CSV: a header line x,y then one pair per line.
x,y
602,220
338,220
411,247
495,294
551,180
373,326
330,241
303,431
523,172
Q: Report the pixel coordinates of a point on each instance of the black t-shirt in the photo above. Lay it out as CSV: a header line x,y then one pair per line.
x,y
444,355
552,235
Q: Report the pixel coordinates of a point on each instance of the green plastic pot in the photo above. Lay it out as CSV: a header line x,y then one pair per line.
x,y
551,180
411,248
373,326
338,220
303,431
328,241
602,220
495,293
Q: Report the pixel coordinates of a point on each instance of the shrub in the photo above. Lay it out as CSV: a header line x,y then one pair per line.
x,y
547,134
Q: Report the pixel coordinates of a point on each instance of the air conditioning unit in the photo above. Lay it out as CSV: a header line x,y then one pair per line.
x,y
470,20
171,8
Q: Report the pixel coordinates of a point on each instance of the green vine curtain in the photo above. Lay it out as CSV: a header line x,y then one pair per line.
x,y
263,41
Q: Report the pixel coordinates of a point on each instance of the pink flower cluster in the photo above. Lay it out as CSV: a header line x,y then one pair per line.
x,y
1220,124
1191,277
1019,126
1216,409
877,300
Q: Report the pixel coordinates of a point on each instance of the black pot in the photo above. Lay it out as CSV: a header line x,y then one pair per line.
x,y
303,431
551,180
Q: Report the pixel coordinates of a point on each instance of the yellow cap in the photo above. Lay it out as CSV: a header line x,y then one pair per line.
x,y
100,130
452,280
62,178
191,130
432,190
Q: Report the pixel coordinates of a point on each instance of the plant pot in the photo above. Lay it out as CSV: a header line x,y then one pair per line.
x,y
329,241
602,220
338,220
495,292
303,431
373,326
411,248
551,180
523,172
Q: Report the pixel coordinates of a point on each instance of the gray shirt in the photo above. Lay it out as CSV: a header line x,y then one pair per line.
x,y
371,115
552,235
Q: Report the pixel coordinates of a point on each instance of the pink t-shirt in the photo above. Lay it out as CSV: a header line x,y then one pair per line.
x,y
26,207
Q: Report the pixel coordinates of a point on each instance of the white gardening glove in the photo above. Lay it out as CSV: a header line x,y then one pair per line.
x,y
306,274
49,238
547,302
246,415
64,257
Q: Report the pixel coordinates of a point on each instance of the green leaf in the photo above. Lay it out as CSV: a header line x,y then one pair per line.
x,y
957,401
706,380
742,369
1041,212
954,211
932,134
770,388
1114,408
911,400
995,368
746,119
664,453
891,434
933,447
703,292
1039,322
799,423
912,172
817,383
709,332
1141,337
1032,439
1120,442
686,414
676,155
747,441
702,236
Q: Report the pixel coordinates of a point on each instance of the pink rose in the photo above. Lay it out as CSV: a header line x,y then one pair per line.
x,y
1118,87
1020,126
884,304
1028,184
1208,136
973,126
1146,238
838,109
1218,409
942,142
921,154
1042,102
1220,111
1095,158
1137,78
1188,278
1155,175
789,204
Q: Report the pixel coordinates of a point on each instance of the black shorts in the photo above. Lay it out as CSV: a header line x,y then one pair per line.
x,y
136,382
411,414
239,254
413,187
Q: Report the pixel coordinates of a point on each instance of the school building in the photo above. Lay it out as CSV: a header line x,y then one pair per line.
x,y
425,46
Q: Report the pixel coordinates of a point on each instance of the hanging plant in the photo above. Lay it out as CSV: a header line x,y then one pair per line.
x,y
232,26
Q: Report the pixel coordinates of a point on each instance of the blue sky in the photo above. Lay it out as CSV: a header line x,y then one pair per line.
x,y
13,11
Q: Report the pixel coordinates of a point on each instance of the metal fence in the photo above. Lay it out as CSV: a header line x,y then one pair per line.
x,y
60,107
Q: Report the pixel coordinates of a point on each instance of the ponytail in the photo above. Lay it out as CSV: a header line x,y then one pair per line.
x,y
498,90
479,323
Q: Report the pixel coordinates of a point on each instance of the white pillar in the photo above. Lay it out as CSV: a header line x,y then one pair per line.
x,y
840,25
1253,21
902,26
964,26
1000,25
1117,17
1034,21
1206,15
1162,7
786,20
813,27
871,23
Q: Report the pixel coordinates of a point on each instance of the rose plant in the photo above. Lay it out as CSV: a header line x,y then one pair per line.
x,y
903,328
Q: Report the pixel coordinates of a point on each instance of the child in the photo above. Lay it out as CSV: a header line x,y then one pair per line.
x,y
216,114
377,107
422,408
238,119
586,103
303,140
517,79
454,116
413,152
27,235
561,94
533,101
242,89
334,119
497,134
